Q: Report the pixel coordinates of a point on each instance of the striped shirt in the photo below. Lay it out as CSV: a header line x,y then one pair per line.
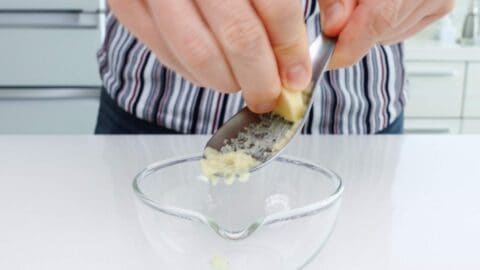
x,y
362,99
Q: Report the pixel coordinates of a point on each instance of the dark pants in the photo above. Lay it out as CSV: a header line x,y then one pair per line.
x,y
394,128
114,120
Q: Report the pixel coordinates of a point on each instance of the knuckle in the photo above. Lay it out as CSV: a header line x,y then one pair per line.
x,y
295,44
195,51
243,37
384,17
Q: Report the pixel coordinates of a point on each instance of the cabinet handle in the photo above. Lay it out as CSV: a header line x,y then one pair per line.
x,y
49,19
432,73
428,131
49,93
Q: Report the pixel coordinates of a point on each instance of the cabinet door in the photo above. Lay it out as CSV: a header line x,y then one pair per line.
x,y
432,126
49,57
49,4
472,95
436,89
43,111
471,126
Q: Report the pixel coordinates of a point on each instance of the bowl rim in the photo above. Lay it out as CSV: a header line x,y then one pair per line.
x,y
195,216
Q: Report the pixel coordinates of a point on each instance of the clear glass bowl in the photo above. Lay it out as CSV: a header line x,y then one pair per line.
x,y
278,219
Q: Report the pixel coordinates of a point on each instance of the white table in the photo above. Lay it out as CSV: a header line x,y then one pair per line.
x,y
410,202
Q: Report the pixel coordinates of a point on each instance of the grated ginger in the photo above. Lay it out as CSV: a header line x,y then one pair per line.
x,y
229,165
219,263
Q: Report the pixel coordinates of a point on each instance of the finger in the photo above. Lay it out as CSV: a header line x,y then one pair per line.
x,y
192,43
368,23
406,8
354,41
412,11
284,22
335,15
137,19
410,31
245,43
434,11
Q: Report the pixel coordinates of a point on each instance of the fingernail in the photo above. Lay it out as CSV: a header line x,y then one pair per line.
x,y
332,14
297,78
264,108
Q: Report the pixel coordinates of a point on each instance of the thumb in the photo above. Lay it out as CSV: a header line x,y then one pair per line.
x,y
334,15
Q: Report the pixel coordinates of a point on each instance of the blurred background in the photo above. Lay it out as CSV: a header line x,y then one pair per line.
x,y
49,81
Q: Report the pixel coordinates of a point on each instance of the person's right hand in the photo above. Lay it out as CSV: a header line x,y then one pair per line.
x,y
257,46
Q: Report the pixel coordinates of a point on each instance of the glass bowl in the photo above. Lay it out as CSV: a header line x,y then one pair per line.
x,y
278,219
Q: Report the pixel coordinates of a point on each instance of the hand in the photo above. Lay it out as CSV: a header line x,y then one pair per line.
x,y
360,24
256,45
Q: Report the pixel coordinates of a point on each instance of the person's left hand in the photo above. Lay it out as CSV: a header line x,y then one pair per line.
x,y
360,24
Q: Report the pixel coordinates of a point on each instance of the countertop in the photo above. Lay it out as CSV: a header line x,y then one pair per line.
x,y
411,202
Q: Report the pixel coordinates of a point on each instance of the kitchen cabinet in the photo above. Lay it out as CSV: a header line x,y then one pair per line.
x,y
49,57
444,92
436,89
49,4
471,126
472,92
432,126
49,80
48,111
